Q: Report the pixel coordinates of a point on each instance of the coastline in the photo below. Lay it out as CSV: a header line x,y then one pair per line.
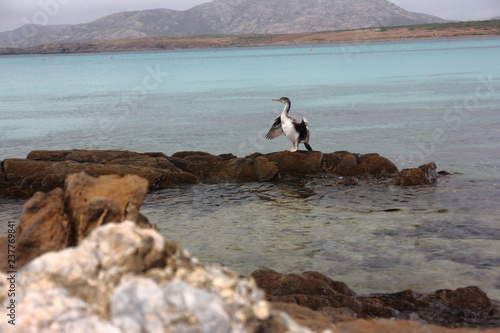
x,y
403,33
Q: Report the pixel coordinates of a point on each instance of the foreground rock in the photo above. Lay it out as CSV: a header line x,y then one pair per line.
x,y
464,307
64,217
46,170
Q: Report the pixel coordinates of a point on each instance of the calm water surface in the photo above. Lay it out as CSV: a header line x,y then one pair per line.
x,y
413,102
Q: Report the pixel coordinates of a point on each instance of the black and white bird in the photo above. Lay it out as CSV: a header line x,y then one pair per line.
x,y
289,127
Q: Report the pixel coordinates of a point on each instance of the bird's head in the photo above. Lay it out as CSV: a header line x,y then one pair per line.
x,y
282,100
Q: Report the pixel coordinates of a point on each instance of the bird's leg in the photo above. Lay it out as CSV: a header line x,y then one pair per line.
x,y
295,147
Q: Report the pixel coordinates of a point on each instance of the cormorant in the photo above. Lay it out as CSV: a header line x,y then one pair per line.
x,y
289,127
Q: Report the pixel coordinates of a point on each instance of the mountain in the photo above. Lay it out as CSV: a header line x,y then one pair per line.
x,y
237,17
28,31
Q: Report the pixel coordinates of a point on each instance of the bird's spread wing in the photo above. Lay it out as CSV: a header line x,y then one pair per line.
x,y
275,130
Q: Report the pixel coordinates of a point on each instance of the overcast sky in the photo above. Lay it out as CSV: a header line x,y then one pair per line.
x,y
15,13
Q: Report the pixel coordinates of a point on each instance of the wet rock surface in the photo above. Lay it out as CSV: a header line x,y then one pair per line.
x,y
46,170
466,307
78,269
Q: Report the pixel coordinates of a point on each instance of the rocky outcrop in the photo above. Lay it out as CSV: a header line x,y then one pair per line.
x,y
46,170
464,307
64,217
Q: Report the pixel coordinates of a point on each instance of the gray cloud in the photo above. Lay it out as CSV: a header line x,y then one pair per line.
x,y
461,10
15,13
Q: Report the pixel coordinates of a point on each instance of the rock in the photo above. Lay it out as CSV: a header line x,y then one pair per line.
x,y
349,181
425,175
266,170
184,154
330,162
125,279
396,326
62,218
364,157
3,179
412,177
347,162
465,307
378,166
91,202
430,170
297,164
277,286
43,227
46,170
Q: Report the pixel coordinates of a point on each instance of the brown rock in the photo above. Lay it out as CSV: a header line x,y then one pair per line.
x,y
91,202
412,177
430,170
184,154
297,163
3,177
349,181
472,298
266,170
464,307
395,326
348,161
80,156
364,157
43,227
375,166
331,161
309,289
46,170
61,218
116,157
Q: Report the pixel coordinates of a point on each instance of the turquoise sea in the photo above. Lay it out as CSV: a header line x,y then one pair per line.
x,y
413,102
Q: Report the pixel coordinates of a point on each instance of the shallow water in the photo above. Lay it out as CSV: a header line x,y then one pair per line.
x,y
413,102
377,237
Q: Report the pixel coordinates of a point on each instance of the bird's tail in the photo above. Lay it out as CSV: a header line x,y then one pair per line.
x,y
307,146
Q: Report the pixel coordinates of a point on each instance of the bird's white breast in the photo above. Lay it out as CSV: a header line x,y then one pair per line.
x,y
288,129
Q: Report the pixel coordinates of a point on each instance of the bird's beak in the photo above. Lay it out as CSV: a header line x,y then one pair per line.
x,y
276,100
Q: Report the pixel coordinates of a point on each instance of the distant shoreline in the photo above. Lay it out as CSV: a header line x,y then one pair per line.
x,y
428,31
